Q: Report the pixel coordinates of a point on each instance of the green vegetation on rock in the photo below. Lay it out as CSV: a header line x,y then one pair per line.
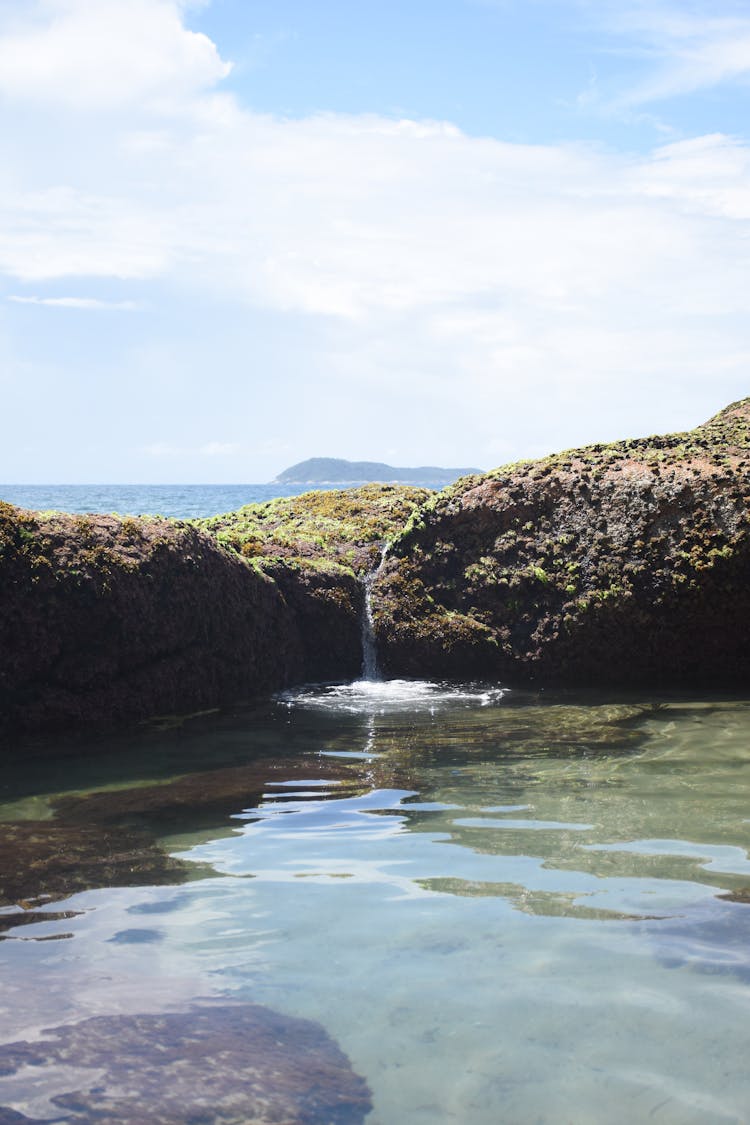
x,y
618,561
622,563
346,527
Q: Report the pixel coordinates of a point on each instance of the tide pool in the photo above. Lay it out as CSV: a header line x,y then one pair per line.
x,y
499,905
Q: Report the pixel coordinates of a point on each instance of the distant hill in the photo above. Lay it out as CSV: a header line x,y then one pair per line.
x,y
334,470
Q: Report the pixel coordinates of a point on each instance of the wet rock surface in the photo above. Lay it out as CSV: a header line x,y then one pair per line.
x,y
239,1064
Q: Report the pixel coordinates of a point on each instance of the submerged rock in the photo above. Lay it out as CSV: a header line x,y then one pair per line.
x,y
619,564
204,799
235,1064
43,861
110,838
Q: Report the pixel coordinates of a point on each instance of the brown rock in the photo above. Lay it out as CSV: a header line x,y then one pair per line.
x,y
42,860
104,619
234,1064
617,564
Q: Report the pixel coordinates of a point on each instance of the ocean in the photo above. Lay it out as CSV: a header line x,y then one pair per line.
x,y
180,501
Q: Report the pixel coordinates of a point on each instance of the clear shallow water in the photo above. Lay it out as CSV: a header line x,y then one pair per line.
x,y
501,906
180,501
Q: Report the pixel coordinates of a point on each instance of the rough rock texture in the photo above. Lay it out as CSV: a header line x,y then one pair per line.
x,y
104,619
342,527
318,547
620,564
238,1064
626,563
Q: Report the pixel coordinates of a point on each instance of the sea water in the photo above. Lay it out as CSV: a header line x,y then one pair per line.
x,y
180,501
503,906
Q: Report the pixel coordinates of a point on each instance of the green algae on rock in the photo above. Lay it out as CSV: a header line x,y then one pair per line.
x,y
43,861
105,619
625,563
317,547
342,526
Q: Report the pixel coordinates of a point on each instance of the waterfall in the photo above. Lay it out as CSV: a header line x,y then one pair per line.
x,y
370,670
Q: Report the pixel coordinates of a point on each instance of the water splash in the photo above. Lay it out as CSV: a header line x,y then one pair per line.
x,y
381,697
370,669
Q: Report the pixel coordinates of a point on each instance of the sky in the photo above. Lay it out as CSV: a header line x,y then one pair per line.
x,y
237,234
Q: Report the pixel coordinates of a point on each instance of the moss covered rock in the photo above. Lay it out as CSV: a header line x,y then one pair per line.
x,y
622,563
318,547
104,619
343,526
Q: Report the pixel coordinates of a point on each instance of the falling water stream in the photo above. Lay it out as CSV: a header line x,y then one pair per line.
x,y
370,668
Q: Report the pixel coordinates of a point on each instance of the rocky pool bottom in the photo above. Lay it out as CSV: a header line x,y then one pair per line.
x,y
391,902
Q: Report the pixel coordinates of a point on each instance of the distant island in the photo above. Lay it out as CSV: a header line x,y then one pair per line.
x,y
334,470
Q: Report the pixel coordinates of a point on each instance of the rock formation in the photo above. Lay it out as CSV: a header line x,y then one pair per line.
x,y
105,619
614,564
619,564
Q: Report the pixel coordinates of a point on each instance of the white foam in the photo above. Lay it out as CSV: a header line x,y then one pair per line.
x,y
382,696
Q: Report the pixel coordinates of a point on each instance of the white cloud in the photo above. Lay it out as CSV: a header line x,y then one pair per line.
x,y
500,285
167,450
350,217
689,47
98,54
93,303
219,449
50,230
162,450
709,175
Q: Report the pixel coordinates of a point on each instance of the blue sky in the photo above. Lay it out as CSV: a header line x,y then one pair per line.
x,y
237,234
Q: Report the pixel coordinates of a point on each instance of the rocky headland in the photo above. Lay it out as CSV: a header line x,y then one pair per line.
x,y
615,564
